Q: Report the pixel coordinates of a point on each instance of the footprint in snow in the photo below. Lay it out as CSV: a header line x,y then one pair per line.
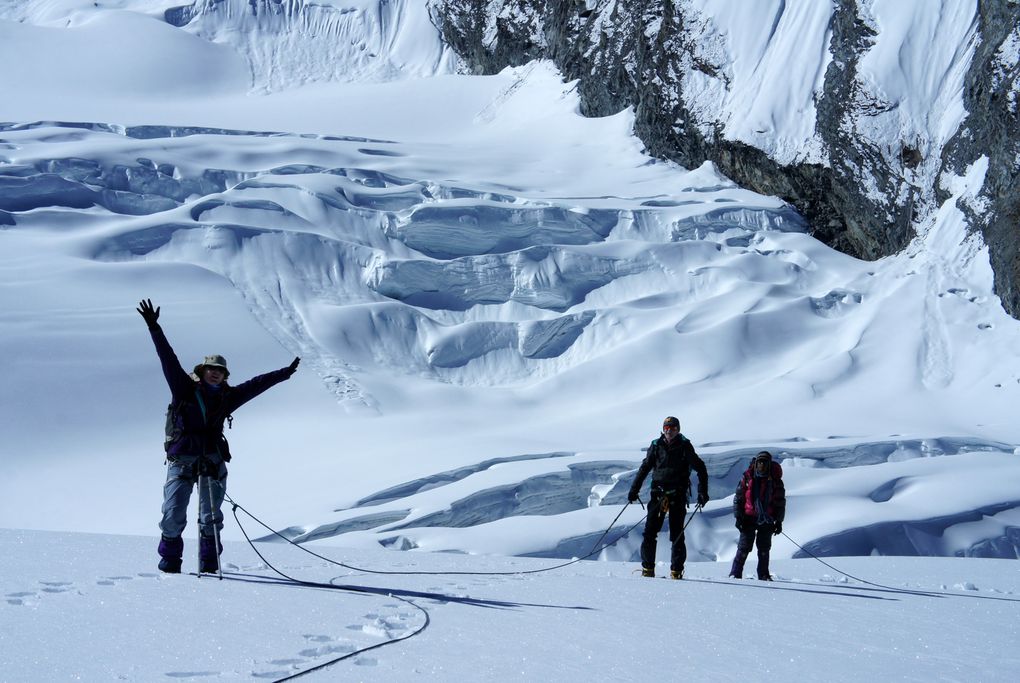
x,y
22,598
325,650
334,646
29,597
191,674
370,629
287,662
56,586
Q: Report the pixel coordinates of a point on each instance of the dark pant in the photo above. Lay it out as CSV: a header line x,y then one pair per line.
x,y
760,535
656,516
181,477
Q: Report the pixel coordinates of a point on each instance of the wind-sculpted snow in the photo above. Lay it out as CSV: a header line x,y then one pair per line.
x,y
456,510
441,277
484,227
485,285
937,537
286,43
548,494
543,277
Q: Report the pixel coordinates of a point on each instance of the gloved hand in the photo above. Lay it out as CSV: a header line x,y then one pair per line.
x,y
739,523
702,498
147,312
777,528
293,364
632,496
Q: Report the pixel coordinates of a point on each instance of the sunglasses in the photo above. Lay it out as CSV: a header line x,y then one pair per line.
x,y
670,428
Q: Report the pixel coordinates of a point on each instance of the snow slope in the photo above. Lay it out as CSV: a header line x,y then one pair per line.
x,y
76,606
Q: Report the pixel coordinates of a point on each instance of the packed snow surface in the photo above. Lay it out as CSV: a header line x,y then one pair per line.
x,y
80,607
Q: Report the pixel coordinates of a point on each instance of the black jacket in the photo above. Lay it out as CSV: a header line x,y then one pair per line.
x,y
203,434
671,465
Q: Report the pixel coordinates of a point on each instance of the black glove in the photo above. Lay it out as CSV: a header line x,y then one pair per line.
x,y
632,496
293,364
148,313
739,523
778,528
702,498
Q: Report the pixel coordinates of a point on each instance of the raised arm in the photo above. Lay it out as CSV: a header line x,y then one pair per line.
x,y
179,381
246,391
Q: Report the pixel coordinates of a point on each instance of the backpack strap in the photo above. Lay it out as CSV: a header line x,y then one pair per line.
x,y
201,405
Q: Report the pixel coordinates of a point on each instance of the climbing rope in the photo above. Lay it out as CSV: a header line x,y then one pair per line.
x,y
840,571
312,584
597,548
896,589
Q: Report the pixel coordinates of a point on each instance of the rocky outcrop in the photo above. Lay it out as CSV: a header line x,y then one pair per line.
x,y
869,174
992,129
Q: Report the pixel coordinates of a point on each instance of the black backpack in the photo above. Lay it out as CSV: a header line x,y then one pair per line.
x,y
174,429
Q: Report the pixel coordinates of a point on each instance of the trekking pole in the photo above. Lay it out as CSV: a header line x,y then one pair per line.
x,y
691,518
198,525
216,531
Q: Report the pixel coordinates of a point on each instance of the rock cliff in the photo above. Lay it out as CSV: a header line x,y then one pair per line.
x,y
879,104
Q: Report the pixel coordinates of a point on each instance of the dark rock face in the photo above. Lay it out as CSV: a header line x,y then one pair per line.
x,y
992,129
871,195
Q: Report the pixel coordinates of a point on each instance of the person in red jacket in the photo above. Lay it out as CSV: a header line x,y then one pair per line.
x,y
759,507
195,446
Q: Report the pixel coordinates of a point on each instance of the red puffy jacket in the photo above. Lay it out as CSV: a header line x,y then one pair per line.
x,y
770,486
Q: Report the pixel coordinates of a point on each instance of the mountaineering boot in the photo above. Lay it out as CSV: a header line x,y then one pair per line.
x,y
763,567
675,574
169,565
170,551
737,568
648,571
208,557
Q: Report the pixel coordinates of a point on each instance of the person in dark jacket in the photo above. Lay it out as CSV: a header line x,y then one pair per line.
x,y
670,459
195,446
759,507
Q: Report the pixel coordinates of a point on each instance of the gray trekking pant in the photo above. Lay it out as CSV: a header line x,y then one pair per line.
x,y
181,477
